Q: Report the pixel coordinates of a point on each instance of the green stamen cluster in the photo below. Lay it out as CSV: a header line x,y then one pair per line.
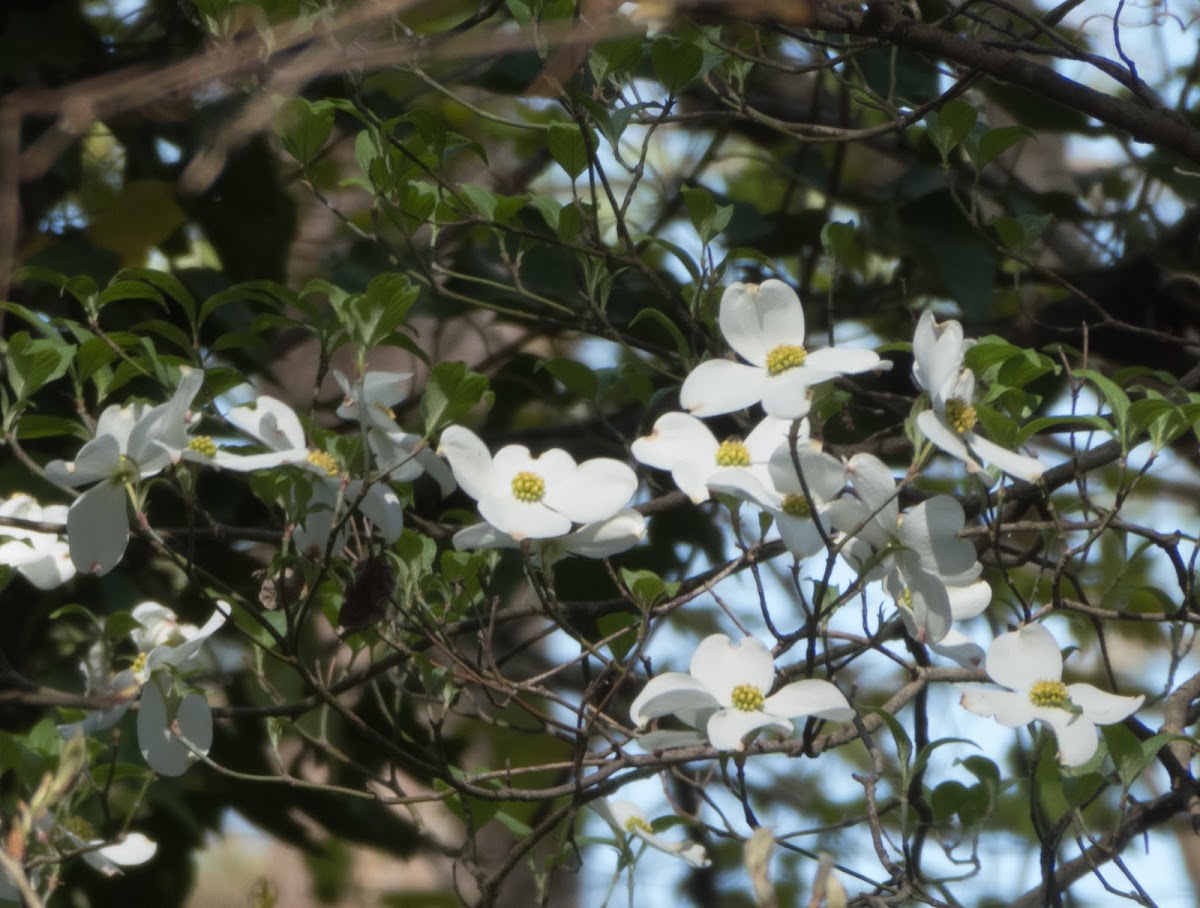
x,y
139,664
733,453
325,461
747,698
784,357
386,411
796,506
528,487
203,444
906,598
127,471
1050,693
80,827
960,415
637,823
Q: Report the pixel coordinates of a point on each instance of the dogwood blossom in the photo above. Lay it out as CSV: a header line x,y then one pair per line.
x,y
530,497
918,553
1028,663
783,495
599,539
725,695
131,442
402,455
44,559
687,448
626,819
167,647
764,324
276,426
950,422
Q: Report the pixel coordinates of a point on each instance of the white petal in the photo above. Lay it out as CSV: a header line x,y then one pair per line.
x,y
825,475
382,507
97,460
934,427
755,318
810,697
746,485
787,395
1018,465
1008,708
800,534
271,421
720,386
930,604
666,739
483,536
937,352
596,490
469,461
727,727
668,693
875,486
1023,657
676,437
605,538
228,459
842,360
721,665
968,600
1077,739
164,428
513,459
161,750
691,477
98,529
131,851
771,432
929,530
523,519
960,648
1100,707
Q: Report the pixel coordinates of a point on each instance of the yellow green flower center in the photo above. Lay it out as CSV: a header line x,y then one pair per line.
x,y
386,411
1050,693
325,461
127,471
747,698
528,487
906,598
732,452
796,506
960,415
203,444
80,827
139,664
634,824
784,357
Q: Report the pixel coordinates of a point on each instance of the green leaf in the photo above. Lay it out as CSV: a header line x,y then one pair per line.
x,y
946,799
568,148
452,391
843,244
675,63
646,587
660,317
624,626
32,364
1116,398
904,745
38,425
708,218
995,142
577,378
1019,233
949,126
303,127
483,201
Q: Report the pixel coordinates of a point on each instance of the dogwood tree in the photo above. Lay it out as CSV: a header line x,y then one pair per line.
x,y
589,451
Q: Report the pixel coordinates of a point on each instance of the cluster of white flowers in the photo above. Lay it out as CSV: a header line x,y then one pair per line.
x,y
816,501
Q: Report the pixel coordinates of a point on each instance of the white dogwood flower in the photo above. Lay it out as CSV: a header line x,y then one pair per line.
x,y
167,647
131,443
44,559
918,553
1029,664
599,539
783,496
536,497
725,695
627,819
402,455
683,445
950,422
764,324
